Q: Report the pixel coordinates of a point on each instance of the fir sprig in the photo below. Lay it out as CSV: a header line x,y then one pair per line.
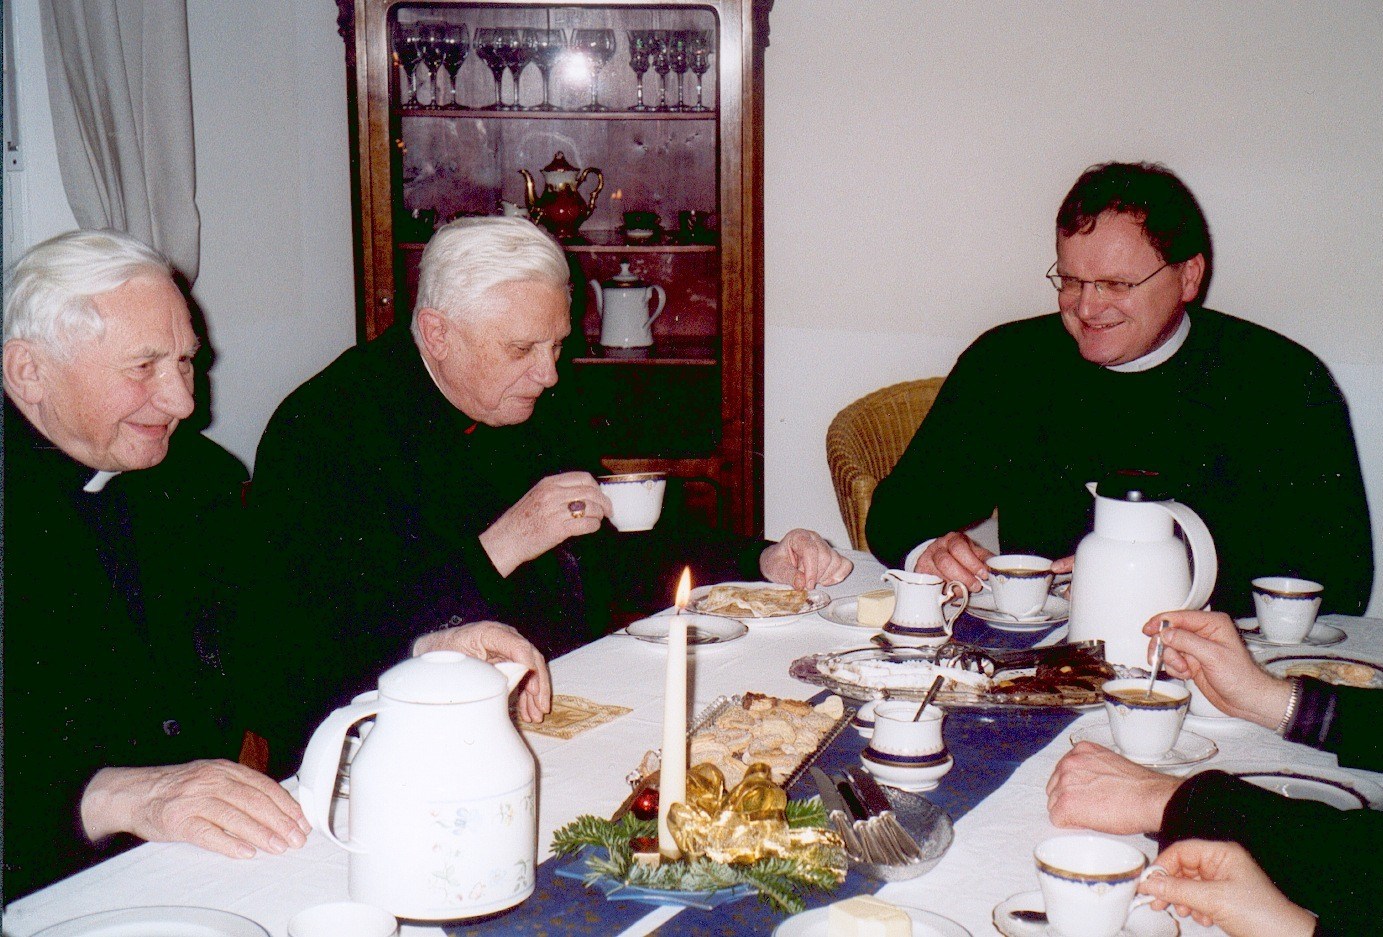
x,y
780,882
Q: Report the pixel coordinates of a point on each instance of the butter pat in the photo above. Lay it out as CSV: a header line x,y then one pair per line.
x,y
867,916
875,608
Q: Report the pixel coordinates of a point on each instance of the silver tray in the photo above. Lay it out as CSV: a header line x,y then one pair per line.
x,y
721,703
807,670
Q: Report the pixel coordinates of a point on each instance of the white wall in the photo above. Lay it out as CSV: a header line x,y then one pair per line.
x,y
916,153
273,187
891,246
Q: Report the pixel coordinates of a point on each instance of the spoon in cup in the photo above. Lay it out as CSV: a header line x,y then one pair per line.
x,y
1157,658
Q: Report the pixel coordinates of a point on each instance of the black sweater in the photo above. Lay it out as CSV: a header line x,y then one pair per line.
x,y
1247,426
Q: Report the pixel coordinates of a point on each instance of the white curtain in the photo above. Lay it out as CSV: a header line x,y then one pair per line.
x,y
120,87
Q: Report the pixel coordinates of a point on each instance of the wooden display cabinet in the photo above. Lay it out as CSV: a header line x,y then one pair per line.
x,y
692,404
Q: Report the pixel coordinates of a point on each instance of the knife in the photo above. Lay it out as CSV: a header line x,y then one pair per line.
x,y
881,813
839,814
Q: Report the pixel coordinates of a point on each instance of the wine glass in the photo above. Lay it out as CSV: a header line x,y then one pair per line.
x,y
548,46
456,42
407,54
518,52
699,47
597,45
662,64
489,45
639,61
430,45
678,60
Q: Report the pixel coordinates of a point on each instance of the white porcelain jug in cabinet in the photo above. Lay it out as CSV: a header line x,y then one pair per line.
x,y
1132,565
443,823
625,321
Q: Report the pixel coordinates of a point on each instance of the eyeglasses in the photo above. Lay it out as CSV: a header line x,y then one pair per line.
x,y
1068,285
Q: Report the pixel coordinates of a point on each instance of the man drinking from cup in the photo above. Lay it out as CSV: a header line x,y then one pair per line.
x,y
441,474
1133,373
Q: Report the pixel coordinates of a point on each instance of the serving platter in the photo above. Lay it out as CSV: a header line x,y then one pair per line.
x,y
812,669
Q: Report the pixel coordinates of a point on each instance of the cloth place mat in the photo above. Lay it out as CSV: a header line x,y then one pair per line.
x,y
572,715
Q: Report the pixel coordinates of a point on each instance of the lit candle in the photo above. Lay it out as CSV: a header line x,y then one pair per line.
x,y
672,777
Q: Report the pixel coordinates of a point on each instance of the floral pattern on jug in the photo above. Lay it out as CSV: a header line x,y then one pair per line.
x,y
461,874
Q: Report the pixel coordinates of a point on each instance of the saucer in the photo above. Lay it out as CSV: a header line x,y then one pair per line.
x,y
1225,726
813,923
914,780
1143,921
701,629
1056,610
1190,749
1320,635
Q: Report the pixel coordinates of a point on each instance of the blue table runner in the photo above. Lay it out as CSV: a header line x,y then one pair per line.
x,y
987,747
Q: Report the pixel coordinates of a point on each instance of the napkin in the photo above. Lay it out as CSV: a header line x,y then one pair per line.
x,y
572,715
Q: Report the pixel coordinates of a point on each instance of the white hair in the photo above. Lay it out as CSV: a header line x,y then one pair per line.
x,y
49,292
470,256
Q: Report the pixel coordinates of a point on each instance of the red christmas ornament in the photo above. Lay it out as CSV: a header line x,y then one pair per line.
x,y
645,804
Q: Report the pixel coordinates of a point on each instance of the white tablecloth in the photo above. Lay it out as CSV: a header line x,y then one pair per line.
x,y
990,860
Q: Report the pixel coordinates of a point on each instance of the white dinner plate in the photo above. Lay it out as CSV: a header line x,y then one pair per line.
x,y
702,629
1056,610
1334,786
1342,670
161,921
1190,749
817,599
1320,635
924,924
1143,921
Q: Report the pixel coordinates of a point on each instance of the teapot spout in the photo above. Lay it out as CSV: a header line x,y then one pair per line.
x,y
513,672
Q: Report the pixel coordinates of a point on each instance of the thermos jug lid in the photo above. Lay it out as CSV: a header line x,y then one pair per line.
x,y
1134,485
442,677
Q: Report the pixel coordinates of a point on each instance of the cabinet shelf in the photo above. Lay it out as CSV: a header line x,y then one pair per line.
x,y
663,352
481,113
607,242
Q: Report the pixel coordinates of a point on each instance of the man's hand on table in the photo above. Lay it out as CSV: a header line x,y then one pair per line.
x,y
1095,789
217,805
1206,647
543,518
1219,883
491,641
804,560
957,556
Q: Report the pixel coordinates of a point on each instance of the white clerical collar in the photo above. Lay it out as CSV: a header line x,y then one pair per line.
x,y
1160,354
98,481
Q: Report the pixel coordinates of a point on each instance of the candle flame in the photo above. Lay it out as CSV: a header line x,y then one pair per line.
x,y
683,590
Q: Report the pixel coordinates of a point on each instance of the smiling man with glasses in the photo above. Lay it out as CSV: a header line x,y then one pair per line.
x,y
1243,425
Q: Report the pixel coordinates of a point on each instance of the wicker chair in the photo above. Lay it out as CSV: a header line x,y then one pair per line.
x,y
866,440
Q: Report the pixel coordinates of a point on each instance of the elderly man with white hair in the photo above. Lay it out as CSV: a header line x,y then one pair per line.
x,y
442,474
115,575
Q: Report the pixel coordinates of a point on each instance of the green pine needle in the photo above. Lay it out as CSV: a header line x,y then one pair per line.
x,y
779,882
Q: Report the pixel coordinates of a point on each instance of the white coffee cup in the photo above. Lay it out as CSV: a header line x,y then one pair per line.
x,y
1090,883
636,499
1020,583
343,919
1201,705
1145,729
1286,607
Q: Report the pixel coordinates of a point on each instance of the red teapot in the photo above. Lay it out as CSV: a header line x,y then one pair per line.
x,y
560,208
